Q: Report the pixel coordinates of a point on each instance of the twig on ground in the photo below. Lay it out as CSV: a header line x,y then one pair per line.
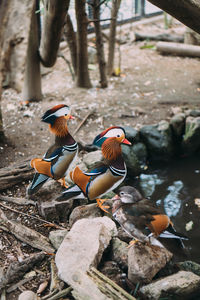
x,y
33,217
83,121
59,294
19,201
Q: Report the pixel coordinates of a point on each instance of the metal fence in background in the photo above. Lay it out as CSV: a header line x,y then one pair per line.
x,y
130,10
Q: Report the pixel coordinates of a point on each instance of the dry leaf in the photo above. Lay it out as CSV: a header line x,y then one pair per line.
x,y
42,287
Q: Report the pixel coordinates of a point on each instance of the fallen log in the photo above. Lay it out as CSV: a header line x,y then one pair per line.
x,y
159,37
178,49
25,234
15,173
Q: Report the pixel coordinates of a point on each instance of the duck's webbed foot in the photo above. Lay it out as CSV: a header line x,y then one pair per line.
x,y
132,243
62,182
101,206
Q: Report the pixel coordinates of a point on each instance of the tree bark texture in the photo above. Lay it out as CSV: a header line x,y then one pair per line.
x,y
16,24
99,44
70,36
191,37
32,79
52,28
3,19
13,40
83,79
186,11
112,35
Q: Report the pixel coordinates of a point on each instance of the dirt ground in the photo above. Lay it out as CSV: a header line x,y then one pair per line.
x,y
149,87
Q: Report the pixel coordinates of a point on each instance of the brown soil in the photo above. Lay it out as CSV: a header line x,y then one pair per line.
x,y
149,86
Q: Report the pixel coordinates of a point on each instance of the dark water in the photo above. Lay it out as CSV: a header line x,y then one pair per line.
x,y
174,188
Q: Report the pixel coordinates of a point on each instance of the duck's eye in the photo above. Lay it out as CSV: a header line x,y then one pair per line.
x,y
118,135
65,114
121,193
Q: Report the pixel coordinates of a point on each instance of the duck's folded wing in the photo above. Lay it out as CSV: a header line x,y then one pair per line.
x,y
53,155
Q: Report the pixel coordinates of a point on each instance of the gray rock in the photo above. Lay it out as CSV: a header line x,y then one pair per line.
x,y
141,152
194,113
144,261
57,236
191,138
82,248
191,266
119,251
91,158
182,285
131,160
132,134
177,123
84,211
56,211
28,295
158,140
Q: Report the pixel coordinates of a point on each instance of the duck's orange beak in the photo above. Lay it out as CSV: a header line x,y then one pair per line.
x,y
125,141
71,117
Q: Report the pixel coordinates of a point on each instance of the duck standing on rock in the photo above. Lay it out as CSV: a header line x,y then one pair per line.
x,y
107,175
136,214
60,155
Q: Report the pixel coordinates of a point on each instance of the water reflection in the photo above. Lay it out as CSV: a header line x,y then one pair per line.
x,y
148,183
174,188
172,203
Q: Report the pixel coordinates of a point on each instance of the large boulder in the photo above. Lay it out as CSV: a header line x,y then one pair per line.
x,y
131,160
182,285
144,261
81,249
158,140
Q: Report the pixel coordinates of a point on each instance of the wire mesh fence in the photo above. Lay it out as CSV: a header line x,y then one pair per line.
x,y
130,10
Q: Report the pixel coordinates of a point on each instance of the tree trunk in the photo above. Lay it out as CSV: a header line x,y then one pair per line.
x,y
70,36
14,28
186,11
32,80
53,21
191,37
113,24
83,79
4,5
99,44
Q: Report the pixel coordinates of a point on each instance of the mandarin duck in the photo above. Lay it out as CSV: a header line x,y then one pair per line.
x,y
60,155
107,175
136,214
